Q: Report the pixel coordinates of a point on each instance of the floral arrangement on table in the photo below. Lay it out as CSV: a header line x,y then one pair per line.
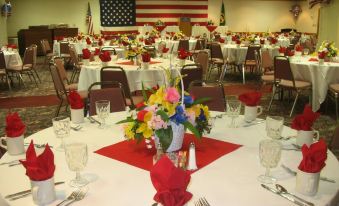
x,y
210,22
178,35
132,53
165,115
125,41
159,23
154,33
328,48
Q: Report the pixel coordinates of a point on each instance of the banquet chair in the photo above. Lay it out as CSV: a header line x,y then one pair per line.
x,y
110,90
263,63
199,46
333,93
217,101
76,63
46,50
25,68
284,79
183,44
60,89
217,37
202,59
59,63
190,73
217,58
334,145
3,70
64,50
115,73
250,58
35,51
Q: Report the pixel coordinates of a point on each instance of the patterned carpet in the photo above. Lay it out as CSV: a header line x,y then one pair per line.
x,y
39,117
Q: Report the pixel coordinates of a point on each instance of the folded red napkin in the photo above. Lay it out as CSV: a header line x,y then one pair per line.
x,y
313,60
183,54
299,48
322,55
305,120
100,43
96,52
105,56
75,100
211,28
282,50
313,157
14,126
290,53
125,43
237,41
234,38
86,54
250,98
165,50
274,41
39,168
170,182
88,41
222,40
148,42
13,46
146,57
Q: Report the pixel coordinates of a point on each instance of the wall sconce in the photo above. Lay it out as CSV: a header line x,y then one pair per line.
x,y
296,10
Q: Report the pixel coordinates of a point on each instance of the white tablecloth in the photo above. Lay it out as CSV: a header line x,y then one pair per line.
x,y
229,180
175,44
144,29
238,54
12,58
319,75
200,30
152,77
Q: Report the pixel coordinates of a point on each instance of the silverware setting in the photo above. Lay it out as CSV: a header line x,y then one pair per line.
x,y
81,195
202,202
283,190
24,193
70,197
10,162
254,123
275,191
294,173
39,145
92,120
76,128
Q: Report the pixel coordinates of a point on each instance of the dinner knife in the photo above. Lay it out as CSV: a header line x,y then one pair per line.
x,y
282,195
27,191
295,173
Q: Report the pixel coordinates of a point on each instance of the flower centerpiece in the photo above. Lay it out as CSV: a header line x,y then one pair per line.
x,y
178,35
182,55
165,115
328,49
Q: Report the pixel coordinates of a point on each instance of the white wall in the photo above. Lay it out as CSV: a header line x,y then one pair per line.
x,y
3,27
329,23
241,15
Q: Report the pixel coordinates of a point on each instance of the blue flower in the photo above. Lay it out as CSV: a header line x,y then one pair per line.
x,y
188,100
202,116
179,117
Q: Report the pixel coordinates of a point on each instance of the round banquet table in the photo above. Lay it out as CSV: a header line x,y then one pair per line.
x,y
12,58
136,77
238,54
321,76
229,180
175,44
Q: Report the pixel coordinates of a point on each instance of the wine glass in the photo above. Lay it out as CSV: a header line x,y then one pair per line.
x,y
76,158
103,109
233,108
274,126
61,127
269,154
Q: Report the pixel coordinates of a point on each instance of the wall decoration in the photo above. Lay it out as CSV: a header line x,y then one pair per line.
x,y
6,9
296,10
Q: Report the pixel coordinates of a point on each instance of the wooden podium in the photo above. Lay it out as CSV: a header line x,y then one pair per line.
x,y
185,25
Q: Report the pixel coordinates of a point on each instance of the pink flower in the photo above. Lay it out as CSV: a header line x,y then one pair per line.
x,y
172,95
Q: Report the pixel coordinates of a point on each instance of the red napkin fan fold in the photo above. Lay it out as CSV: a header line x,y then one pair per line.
x,y
250,98
165,50
314,157
14,126
41,167
105,56
171,183
183,54
305,120
75,100
146,57
86,54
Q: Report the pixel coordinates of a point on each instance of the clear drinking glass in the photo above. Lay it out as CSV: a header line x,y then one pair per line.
x,y
103,109
233,108
269,154
306,51
76,158
61,127
274,126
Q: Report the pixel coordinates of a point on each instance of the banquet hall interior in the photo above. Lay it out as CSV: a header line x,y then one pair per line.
x,y
277,56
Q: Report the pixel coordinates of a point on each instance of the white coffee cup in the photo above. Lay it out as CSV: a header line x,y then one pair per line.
x,y
43,192
15,145
145,65
307,183
251,112
77,116
306,137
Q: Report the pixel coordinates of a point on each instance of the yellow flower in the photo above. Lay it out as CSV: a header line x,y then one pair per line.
x,y
145,130
158,97
170,107
148,116
196,109
128,130
206,111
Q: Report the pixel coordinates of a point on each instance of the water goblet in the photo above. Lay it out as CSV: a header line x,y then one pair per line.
x,y
306,51
76,158
61,127
269,154
233,108
102,110
274,126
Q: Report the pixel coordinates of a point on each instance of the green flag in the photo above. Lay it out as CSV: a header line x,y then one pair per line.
x,y
222,15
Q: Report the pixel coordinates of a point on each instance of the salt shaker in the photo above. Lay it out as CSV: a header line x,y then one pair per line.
x,y
192,163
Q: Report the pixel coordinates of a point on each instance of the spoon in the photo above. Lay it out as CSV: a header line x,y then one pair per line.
x,y
283,190
76,128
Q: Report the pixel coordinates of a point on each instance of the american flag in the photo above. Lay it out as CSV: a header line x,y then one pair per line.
x,y
89,20
150,11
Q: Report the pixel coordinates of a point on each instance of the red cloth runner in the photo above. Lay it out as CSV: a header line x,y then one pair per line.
x,y
207,151
132,63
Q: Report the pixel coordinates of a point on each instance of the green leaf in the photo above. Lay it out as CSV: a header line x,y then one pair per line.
x,y
129,119
201,100
194,130
144,95
163,115
165,137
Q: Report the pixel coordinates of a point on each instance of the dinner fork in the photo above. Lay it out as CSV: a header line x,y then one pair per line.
x,y
78,197
202,202
70,197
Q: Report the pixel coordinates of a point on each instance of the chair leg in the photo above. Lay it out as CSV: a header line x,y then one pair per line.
x,y
37,75
243,74
58,109
21,79
295,102
275,89
336,104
